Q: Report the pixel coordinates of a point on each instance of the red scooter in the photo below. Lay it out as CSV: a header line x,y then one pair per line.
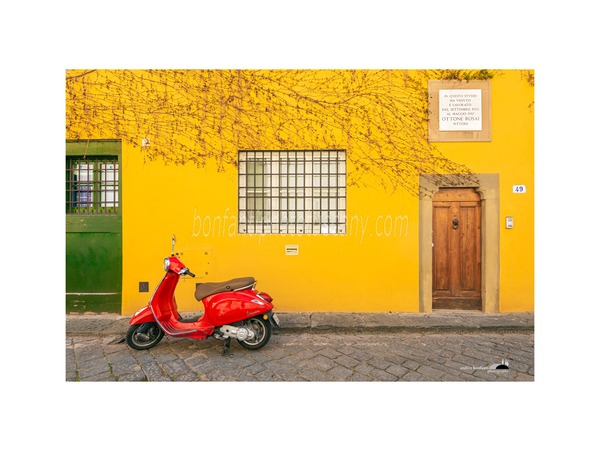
x,y
232,309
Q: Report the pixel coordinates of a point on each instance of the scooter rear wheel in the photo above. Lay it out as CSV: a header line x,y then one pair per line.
x,y
144,335
262,333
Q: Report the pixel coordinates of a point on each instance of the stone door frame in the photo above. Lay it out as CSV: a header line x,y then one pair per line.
x,y
488,187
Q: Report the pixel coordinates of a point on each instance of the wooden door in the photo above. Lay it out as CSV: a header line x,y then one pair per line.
x,y
457,249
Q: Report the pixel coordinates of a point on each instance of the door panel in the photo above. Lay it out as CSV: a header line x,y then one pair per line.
x,y
457,249
94,273
442,249
470,270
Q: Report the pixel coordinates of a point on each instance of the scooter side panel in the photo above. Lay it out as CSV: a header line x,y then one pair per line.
x,y
230,307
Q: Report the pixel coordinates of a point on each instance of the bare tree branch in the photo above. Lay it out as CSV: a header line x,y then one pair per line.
x,y
378,116
81,74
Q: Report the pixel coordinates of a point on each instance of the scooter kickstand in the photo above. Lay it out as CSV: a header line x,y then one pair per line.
x,y
226,345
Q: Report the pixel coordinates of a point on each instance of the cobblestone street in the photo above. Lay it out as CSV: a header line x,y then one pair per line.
x,y
305,356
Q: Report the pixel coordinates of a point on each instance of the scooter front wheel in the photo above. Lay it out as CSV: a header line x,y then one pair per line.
x,y
262,333
144,335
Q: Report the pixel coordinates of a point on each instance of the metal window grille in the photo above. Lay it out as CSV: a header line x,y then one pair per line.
x,y
92,185
295,192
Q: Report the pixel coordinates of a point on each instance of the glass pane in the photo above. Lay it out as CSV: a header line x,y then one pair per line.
x,y
109,194
83,187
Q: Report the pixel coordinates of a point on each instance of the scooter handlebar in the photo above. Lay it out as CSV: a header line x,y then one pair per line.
x,y
186,271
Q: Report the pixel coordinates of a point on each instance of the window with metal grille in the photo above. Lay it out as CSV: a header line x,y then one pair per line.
x,y
295,192
92,185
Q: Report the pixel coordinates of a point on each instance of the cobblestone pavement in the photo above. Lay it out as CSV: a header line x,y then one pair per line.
x,y
305,356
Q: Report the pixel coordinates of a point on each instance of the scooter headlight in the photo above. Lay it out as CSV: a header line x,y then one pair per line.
x,y
166,264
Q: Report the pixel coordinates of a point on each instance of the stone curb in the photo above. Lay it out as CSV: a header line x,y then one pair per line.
x,y
110,324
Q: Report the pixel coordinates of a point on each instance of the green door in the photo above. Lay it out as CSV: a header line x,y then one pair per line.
x,y
94,266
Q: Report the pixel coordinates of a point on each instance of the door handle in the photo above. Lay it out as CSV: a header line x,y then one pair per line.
x,y
455,224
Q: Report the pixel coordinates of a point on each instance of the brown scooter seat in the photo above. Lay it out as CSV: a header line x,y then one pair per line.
x,y
205,289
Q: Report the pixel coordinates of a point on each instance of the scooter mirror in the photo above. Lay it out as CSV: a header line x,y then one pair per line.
x,y
173,240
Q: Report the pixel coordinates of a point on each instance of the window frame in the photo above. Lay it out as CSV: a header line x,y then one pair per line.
x,y
100,183
293,192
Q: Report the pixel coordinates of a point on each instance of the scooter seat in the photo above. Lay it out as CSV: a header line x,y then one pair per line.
x,y
205,289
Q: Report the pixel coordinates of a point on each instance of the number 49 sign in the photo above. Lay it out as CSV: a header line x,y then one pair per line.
x,y
519,189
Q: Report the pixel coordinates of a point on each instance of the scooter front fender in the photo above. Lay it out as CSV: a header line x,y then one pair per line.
x,y
142,316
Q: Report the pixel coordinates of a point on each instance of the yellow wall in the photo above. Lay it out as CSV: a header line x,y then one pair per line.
x,y
511,154
373,267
